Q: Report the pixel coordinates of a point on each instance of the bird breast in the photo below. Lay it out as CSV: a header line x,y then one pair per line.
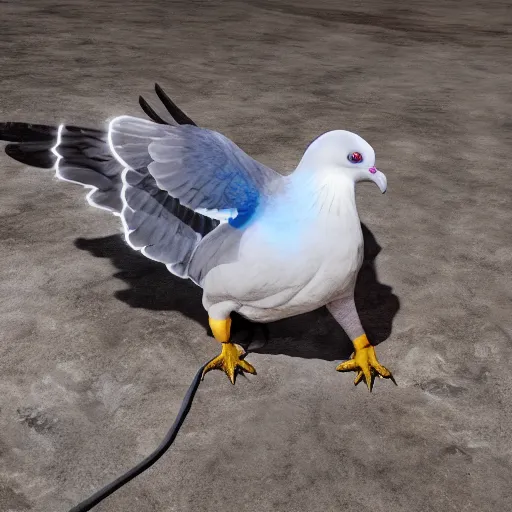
x,y
302,250
317,257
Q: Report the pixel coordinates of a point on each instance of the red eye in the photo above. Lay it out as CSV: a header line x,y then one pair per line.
x,y
355,157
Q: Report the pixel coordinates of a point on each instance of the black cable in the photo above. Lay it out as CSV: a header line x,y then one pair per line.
x,y
151,459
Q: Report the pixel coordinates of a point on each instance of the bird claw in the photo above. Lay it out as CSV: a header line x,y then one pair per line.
x,y
229,362
365,363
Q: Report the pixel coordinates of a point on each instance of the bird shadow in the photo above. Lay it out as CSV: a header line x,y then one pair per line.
x,y
313,335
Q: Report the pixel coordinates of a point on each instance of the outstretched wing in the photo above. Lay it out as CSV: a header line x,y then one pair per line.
x,y
201,168
154,222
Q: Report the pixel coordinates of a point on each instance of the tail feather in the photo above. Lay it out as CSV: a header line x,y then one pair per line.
x,y
27,132
33,143
35,154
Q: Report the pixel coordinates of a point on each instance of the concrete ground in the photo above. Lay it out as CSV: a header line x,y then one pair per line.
x,y
98,344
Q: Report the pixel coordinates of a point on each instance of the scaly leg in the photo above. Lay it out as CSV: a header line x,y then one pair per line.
x,y
229,359
364,359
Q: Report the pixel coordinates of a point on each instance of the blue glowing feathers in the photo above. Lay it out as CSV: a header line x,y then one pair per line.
x,y
201,168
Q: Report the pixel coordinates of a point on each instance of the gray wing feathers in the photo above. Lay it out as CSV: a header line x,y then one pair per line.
x,y
129,138
202,168
154,222
83,157
150,227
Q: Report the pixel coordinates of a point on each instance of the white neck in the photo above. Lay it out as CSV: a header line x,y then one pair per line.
x,y
322,192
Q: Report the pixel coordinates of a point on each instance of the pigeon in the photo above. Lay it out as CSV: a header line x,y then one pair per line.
x,y
259,243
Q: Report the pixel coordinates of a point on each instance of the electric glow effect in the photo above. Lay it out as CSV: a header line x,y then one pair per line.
x,y
59,176
126,206
126,229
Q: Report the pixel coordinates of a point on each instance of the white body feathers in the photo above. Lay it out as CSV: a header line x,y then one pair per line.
x,y
301,251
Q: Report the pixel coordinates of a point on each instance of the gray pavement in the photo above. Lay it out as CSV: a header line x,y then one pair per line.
x,y
98,345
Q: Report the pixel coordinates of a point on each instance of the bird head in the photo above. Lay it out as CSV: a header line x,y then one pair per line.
x,y
346,155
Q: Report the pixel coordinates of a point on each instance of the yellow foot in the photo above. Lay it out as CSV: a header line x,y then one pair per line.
x,y
364,361
229,361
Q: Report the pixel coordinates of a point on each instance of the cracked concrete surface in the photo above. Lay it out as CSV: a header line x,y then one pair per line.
x,y
98,344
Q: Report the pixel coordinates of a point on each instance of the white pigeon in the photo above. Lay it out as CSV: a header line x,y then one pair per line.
x,y
286,245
